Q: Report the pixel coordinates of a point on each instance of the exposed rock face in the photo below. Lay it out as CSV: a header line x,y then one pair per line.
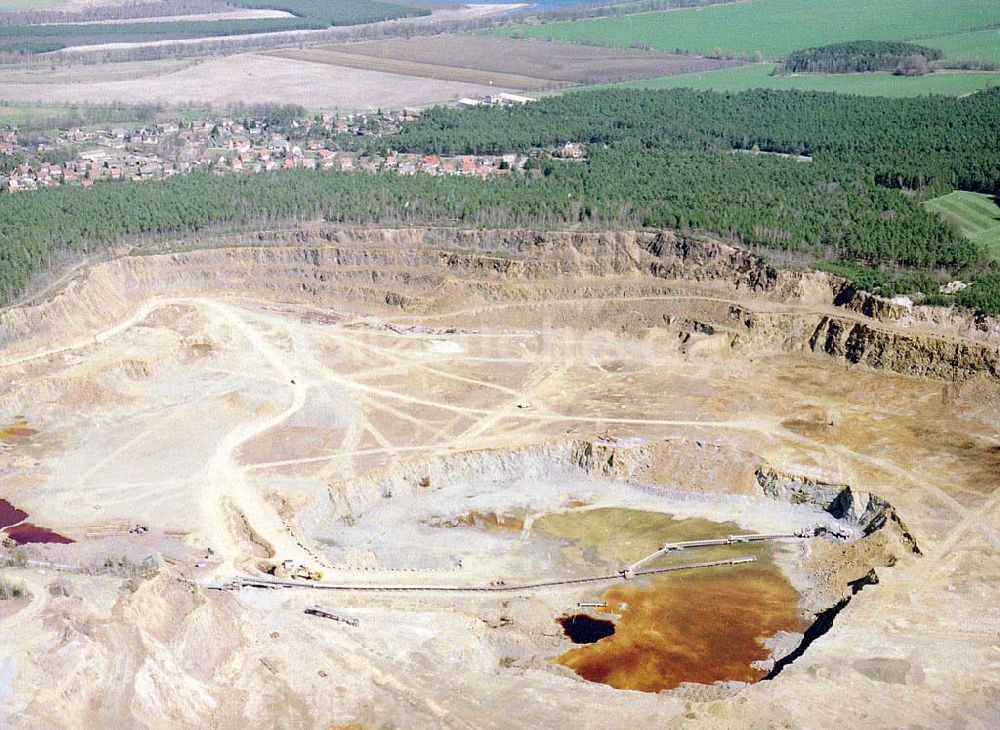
x,y
689,285
865,344
607,460
623,462
863,510
781,331
870,305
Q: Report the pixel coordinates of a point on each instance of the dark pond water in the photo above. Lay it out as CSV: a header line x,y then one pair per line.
x,y
583,629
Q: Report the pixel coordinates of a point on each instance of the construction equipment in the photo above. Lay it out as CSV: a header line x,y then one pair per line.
x,y
322,612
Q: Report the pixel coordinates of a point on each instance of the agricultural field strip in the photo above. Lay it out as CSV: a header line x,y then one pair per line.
x,y
773,27
410,68
540,59
301,15
250,78
525,65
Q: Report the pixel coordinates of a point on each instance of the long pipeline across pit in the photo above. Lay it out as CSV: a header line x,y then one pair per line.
x,y
249,582
631,570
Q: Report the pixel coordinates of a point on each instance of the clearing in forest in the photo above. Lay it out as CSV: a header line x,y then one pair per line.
x,y
977,215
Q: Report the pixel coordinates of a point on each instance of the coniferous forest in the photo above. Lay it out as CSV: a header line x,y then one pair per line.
x,y
661,159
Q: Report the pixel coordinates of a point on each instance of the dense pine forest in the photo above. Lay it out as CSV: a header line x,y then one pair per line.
x,y
664,159
911,143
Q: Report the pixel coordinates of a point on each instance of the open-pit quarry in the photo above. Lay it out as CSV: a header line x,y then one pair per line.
x,y
334,477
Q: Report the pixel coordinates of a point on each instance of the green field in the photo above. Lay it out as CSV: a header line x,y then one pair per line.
x,y
52,117
758,76
18,113
977,216
774,27
981,45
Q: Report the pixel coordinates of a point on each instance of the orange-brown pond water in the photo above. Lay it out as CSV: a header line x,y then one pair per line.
x,y
700,626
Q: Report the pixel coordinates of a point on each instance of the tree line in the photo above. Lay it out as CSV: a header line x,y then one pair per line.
x,y
860,57
121,11
658,159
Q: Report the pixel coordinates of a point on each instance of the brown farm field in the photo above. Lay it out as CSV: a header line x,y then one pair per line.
x,y
522,64
243,78
389,73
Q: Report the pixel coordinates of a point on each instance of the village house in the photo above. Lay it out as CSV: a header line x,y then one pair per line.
x,y
279,145
170,148
431,164
571,150
75,134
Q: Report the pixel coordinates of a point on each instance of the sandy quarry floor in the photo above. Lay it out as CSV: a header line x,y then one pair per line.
x,y
218,422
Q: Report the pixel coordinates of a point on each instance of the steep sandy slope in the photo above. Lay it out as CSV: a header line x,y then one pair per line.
x,y
412,270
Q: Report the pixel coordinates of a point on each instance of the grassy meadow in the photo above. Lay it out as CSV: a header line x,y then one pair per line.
x,y
979,45
976,215
773,27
